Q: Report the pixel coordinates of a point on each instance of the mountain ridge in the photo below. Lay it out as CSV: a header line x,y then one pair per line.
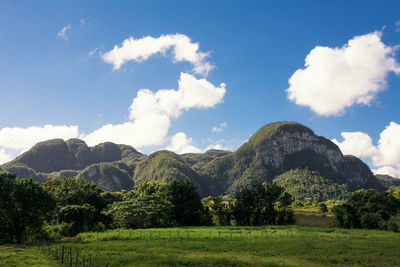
x,y
275,149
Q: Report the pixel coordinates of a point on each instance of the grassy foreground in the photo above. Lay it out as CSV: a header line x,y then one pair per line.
x,y
281,246
12,255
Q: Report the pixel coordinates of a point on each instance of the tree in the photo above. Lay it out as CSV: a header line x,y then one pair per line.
x,y
149,188
221,209
76,191
24,206
142,211
262,204
367,209
188,209
81,217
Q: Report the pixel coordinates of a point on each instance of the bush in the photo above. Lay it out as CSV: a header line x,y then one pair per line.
x,y
322,207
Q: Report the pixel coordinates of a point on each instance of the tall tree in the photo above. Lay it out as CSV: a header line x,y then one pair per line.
x,y
24,206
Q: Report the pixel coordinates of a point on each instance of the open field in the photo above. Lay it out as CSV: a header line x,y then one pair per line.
x,y
257,246
14,255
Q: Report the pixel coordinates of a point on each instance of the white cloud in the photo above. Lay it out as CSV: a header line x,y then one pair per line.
x,y
83,22
336,78
4,157
388,170
21,139
217,129
141,49
356,143
397,25
24,138
181,144
385,156
63,32
216,146
151,112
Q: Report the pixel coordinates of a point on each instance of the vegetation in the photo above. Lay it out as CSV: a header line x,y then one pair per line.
x,y
268,155
262,204
368,209
248,246
24,206
22,256
306,185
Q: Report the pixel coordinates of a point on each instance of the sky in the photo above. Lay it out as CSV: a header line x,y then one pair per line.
x,y
188,76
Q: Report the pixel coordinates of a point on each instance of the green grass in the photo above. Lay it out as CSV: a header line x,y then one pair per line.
x,y
282,246
13,255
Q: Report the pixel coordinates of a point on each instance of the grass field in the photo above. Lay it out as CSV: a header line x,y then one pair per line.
x,y
238,246
12,255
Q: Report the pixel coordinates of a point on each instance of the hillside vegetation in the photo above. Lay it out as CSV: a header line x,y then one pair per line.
x,y
310,166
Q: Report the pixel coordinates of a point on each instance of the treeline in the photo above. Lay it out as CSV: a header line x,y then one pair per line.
x,y
68,206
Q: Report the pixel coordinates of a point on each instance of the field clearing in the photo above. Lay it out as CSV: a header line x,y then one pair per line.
x,y
14,255
283,246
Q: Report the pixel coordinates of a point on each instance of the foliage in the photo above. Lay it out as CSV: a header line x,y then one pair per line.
x,y
82,217
220,208
367,209
187,206
142,211
148,188
306,185
76,191
322,207
24,205
262,204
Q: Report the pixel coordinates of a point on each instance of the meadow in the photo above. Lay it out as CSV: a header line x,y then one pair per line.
x,y
231,246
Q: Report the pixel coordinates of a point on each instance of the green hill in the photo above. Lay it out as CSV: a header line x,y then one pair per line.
x,y
309,166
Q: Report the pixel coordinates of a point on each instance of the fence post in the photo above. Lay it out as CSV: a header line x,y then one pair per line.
x,y
77,258
62,254
70,256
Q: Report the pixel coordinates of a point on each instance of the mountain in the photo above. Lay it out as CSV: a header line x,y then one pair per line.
x,y
309,166
387,180
107,164
283,146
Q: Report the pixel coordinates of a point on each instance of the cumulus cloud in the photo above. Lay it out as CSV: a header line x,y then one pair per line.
x,y
4,157
139,50
151,112
181,144
24,138
19,140
336,78
63,32
385,156
219,128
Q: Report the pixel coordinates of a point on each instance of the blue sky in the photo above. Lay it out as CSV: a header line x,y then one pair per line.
x,y
62,80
